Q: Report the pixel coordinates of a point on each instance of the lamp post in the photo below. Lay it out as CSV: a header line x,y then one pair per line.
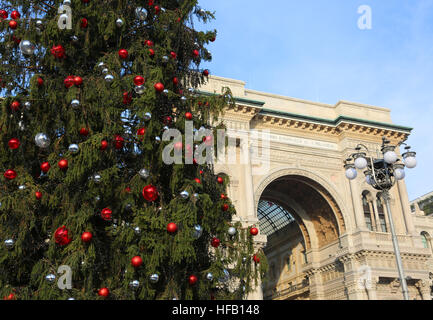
x,y
382,173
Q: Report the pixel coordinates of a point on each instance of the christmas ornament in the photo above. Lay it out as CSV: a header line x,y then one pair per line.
x,y
173,55
164,59
21,187
149,43
225,207
256,259
183,99
84,132
195,195
154,278
96,178
45,167
220,180
39,24
27,105
141,131
9,243
104,292
69,82
10,174
13,24
157,10
136,261
225,277
123,53
104,144
223,196
134,284
138,80
150,193
151,53
159,87
119,22
147,116
197,180
254,231
209,276
58,51
61,236
206,73
15,15
192,280
232,231
171,227
105,71
109,78
198,231
86,237
15,105
78,81
196,53
118,142
106,214
63,164
175,81
73,148
38,195
27,48
140,89
144,173
215,242
3,14
14,143
67,3
40,82
141,13
84,23
137,230
127,98
50,278
75,103
157,139
184,194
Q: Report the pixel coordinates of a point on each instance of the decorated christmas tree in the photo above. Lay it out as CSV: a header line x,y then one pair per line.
x,y
89,208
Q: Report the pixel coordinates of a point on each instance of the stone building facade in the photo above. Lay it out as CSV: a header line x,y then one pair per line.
x,y
325,237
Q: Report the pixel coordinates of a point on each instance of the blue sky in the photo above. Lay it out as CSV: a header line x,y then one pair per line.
x,y
314,50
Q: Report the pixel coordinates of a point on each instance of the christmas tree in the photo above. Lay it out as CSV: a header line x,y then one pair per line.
x,y
89,87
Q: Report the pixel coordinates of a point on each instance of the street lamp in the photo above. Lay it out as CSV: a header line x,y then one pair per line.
x,y
382,173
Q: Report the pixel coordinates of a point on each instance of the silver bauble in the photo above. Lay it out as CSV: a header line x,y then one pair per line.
x,y
97,198
96,178
225,277
67,3
71,298
209,276
183,99
154,278
191,90
165,59
42,140
75,103
50,278
165,128
39,24
140,89
73,148
74,38
109,78
141,13
144,173
184,194
101,65
165,91
232,231
147,116
105,70
27,48
22,187
9,243
244,259
195,195
157,139
119,22
27,105
198,231
134,284
137,230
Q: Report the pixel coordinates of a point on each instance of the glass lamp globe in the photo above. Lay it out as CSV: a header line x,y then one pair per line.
x,y
351,173
390,157
369,179
360,163
410,162
399,173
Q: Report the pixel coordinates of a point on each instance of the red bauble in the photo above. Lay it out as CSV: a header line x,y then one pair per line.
x,y
3,14
173,55
106,214
175,81
215,242
141,131
150,193
201,171
223,196
192,279
220,180
69,81
206,73
104,144
63,164
40,82
196,53
78,81
157,9
15,105
136,261
58,51
197,180
213,39
10,174
84,132
149,43
9,297
86,237
13,24
14,143
84,23
225,207
38,195
138,80
45,167
171,227
123,53
150,3
168,120
151,53
61,236
15,15
254,231
159,87
103,292
127,97
256,259
118,142
188,116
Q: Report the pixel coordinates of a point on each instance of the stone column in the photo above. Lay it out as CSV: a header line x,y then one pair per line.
x,y
376,215
357,206
248,186
372,216
404,200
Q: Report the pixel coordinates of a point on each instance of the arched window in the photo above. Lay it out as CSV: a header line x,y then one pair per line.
x,y
381,214
425,239
367,211
289,261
